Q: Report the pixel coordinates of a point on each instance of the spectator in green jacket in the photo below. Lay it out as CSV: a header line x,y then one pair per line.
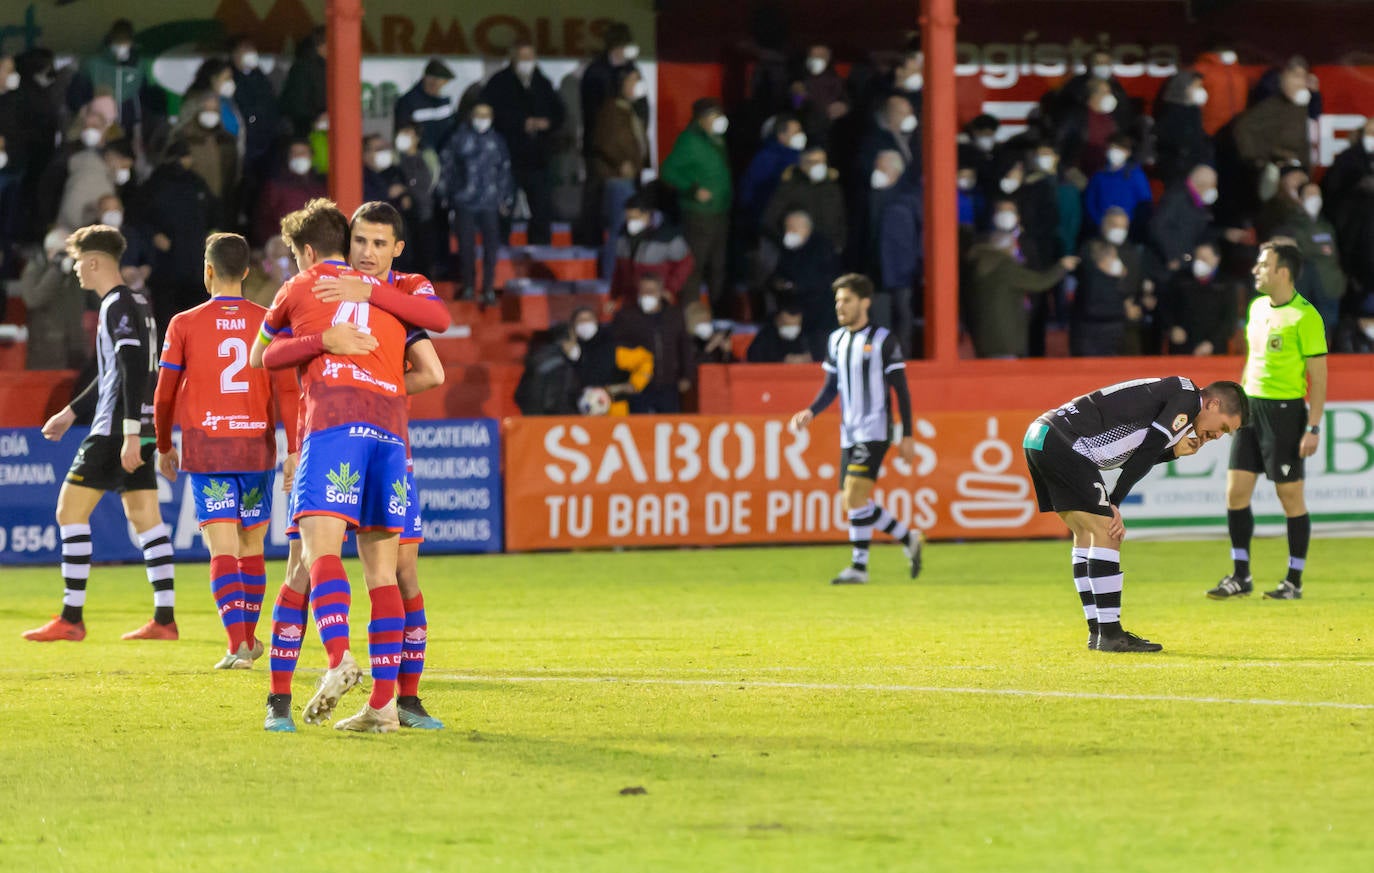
x,y
699,169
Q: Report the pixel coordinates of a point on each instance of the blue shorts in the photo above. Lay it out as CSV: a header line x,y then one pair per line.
x,y
243,498
354,472
293,530
415,530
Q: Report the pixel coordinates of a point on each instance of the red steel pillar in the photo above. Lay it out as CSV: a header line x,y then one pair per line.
x,y
940,125
344,26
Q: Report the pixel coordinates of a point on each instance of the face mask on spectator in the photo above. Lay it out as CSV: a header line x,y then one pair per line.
x,y
1199,96
1108,104
914,82
4,159
384,159
789,332
648,303
1115,268
792,240
90,137
227,88
12,81
985,143
405,142
248,62
965,183
1201,269
123,175
1208,197
815,66
1046,163
524,69
300,166
573,354
1102,71
641,90
1313,205
121,51
703,330
585,330
908,124
1009,184
818,172
322,124
1227,57
54,244
1368,143
284,265
1116,158
481,125
1302,97
67,263
879,180
629,52
136,283
719,125
636,226
208,119
1115,235
112,217
797,141
1005,220
44,79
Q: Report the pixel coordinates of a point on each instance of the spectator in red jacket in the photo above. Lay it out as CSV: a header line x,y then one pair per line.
x,y
648,244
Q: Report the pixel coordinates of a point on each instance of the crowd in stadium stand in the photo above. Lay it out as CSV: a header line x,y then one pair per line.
x,y
1130,225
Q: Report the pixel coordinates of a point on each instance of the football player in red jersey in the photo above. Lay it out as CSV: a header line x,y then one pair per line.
x,y
229,444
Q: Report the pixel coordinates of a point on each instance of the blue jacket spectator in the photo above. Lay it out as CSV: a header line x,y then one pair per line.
x,y
760,180
475,170
425,107
1121,183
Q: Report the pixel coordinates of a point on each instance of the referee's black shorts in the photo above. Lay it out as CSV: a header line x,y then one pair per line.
x,y
97,466
1269,443
1064,480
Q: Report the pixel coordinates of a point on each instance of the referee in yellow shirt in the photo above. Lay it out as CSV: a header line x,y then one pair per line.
x,y
1285,364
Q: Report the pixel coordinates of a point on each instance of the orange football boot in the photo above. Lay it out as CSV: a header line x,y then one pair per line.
x,y
57,629
153,631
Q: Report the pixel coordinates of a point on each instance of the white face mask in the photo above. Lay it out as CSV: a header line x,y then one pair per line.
x,y
284,265
792,240
818,172
121,51
908,124
879,180
54,244
1209,196
44,80
405,142
1116,158
123,175
797,141
985,143
208,120
1199,96
641,90
1368,143
249,61
1046,163
636,226
585,330
1115,235
1005,220
68,265
322,124
524,69
1201,269
481,125
629,52
384,159
1009,185
4,159
1102,71
1313,205
816,66
112,217
12,81
789,332
965,183
1115,269
90,137
1227,57
703,330
719,125
573,354
227,88
1302,97
300,166
1108,104
914,82
648,303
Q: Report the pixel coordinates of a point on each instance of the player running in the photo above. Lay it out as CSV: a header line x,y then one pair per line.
x,y
351,468
1286,361
228,437
1132,426
376,230
116,455
863,363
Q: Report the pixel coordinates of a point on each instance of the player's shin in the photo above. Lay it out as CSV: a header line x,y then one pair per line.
x,y
253,572
415,638
76,569
288,629
330,598
1104,576
384,642
227,589
1084,587
158,558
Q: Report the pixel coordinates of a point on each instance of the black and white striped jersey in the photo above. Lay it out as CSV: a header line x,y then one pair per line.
x,y
126,321
1108,425
861,361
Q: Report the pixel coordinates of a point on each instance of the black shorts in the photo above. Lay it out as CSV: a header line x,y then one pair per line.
x,y
1269,443
862,460
96,465
1064,480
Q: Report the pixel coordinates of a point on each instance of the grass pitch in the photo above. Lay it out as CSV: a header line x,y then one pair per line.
x,y
775,722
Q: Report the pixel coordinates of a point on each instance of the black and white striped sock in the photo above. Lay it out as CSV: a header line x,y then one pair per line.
x,y
159,560
1085,590
76,569
861,533
888,524
1104,575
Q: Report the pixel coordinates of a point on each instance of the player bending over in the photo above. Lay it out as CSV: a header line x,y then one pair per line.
x,y
863,363
116,455
228,437
1132,425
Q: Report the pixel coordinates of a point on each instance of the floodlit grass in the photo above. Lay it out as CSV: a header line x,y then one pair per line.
x,y
775,722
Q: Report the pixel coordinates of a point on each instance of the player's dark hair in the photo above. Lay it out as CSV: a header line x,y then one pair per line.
x,y
320,225
1232,397
97,238
228,253
857,284
1288,256
380,212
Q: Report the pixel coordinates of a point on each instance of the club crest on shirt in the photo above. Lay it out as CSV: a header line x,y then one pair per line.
x,y
1275,342
1180,421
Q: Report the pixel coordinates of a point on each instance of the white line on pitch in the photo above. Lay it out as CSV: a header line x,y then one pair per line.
x,y
908,689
